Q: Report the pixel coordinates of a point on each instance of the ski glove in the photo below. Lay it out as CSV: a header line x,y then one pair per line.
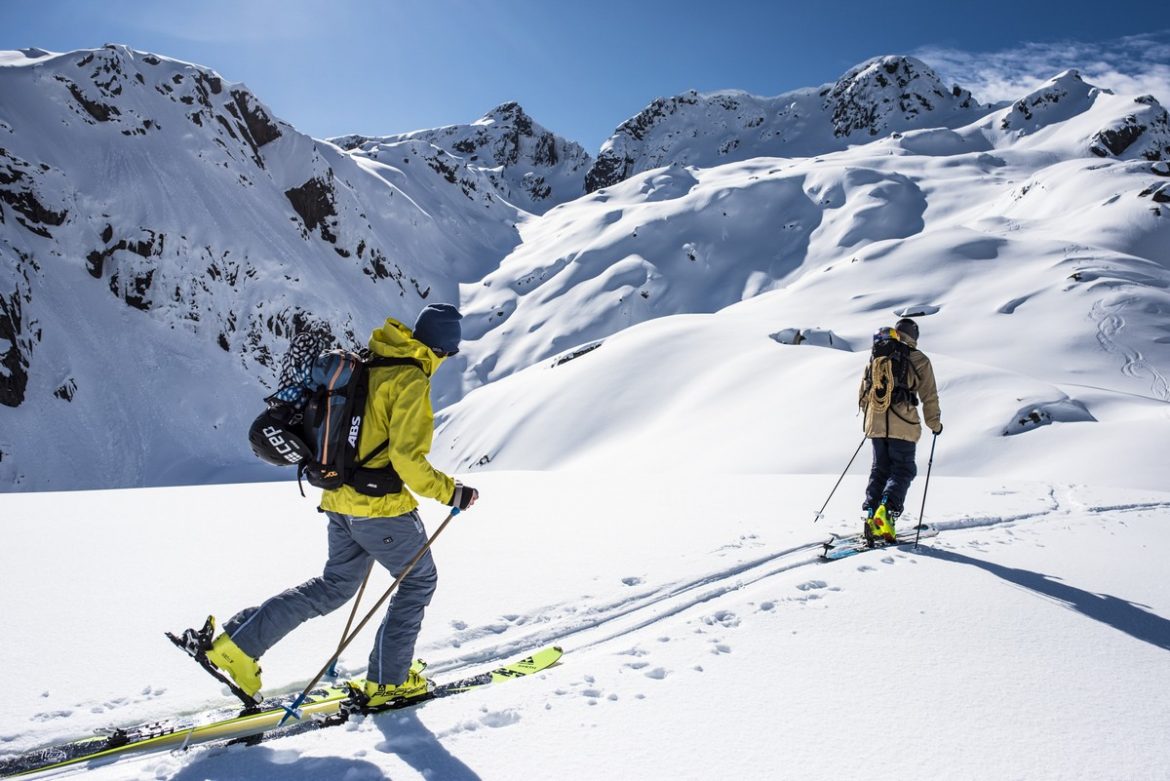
x,y
938,430
463,497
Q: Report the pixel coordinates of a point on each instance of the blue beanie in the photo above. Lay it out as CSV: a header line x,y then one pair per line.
x,y
437,327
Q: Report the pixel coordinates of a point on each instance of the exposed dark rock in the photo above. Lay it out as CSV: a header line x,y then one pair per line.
x,y
95,263
546,150
260,126
440,166
376,266
227,126
16,190
862,99
14,378
99,111
609,169
1117,138
136,289
314,201
537,189
66,390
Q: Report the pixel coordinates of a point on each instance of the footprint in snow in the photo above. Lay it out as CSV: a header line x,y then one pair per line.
x,y
812,585
50,715
492,720
658,673
632,581
499,719
724,618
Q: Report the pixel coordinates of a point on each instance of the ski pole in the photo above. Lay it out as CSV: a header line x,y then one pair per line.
x,y
291,710
821,512
925,488
332,673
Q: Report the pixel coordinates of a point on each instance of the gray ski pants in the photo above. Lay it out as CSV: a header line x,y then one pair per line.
x,y
353,541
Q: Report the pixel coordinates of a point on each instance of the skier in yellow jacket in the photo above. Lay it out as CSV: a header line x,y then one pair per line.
x,y
385,528
892,424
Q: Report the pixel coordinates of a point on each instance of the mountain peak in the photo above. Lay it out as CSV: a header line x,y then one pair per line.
x,y
507,112
890,93
528,166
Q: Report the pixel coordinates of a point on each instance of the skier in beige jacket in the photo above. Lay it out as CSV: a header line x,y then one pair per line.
x,y
898,377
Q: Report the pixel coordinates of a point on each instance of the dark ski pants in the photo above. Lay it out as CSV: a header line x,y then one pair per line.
x,y
892,472
353,542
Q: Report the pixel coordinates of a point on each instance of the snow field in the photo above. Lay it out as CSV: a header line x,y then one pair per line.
x,y
703,636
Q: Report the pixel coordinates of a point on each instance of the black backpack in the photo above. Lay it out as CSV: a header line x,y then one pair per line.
x,y
314,420
887,377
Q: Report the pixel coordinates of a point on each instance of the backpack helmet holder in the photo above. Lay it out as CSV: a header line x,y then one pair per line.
x,y
273,439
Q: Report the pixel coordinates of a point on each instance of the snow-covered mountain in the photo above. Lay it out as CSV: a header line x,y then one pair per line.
x,y
883,95
163,236
528,165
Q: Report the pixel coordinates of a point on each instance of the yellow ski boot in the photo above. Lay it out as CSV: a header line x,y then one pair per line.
x,y
880,526
369,695
243,669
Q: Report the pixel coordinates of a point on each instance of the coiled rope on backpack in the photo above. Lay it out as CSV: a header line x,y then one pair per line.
x,y
881,386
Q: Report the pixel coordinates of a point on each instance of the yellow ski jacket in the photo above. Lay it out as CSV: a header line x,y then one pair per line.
x,y
398,409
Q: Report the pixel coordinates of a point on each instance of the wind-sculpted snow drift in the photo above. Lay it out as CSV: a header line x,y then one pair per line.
x,y
163,236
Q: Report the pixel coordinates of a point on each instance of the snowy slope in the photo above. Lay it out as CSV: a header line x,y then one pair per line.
x,y
702,637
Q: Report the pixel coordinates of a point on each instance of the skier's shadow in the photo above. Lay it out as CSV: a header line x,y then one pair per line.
x,y
265,762
1122,615
417,746
405,736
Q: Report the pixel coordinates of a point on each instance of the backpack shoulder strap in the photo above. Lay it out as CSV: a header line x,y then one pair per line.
x,y
380,361
377,363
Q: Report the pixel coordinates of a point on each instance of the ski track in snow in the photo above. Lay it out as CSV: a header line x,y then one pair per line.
x,y
575,628
1110,323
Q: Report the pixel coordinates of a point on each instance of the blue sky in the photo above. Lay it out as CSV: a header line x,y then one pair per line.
x,y
581,68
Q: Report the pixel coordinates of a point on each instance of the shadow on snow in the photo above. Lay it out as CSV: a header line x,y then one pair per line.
x,y
1122,615
404,736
